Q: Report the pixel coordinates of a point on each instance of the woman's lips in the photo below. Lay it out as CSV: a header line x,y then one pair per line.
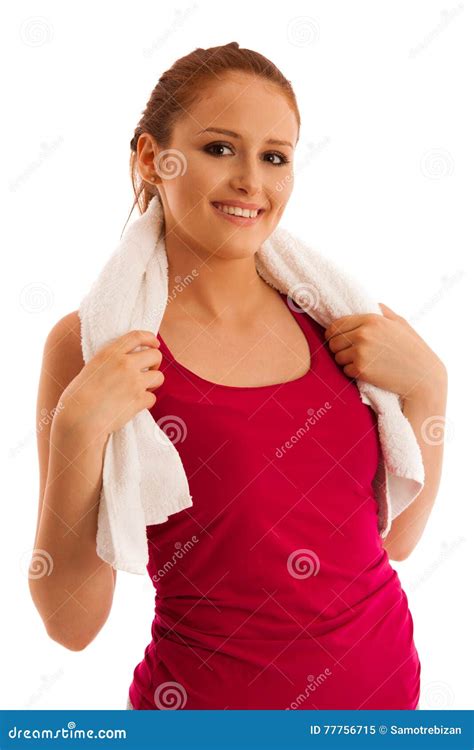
x,y
241,221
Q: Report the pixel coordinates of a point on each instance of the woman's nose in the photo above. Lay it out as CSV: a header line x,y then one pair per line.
x,y
247,177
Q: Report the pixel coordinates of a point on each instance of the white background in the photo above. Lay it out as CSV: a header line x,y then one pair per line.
x,y
383,186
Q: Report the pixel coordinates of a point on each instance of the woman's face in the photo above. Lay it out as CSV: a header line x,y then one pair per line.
x,y
203,166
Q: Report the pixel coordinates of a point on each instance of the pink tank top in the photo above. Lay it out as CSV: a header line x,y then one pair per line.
x,y
273,590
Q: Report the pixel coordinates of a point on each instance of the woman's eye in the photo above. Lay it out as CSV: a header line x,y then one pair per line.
x,y
216,145
283,159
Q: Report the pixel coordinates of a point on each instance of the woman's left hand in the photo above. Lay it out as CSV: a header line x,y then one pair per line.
x,y
385,350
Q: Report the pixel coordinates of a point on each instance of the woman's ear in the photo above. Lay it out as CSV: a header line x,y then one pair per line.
x,y
147,151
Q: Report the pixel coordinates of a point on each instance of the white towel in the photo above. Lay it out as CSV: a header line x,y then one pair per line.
x,y
144,481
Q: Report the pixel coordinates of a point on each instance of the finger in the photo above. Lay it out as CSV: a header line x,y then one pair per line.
x,y
388,313
341,341
345,324
345,356
137,339
153,379
147,358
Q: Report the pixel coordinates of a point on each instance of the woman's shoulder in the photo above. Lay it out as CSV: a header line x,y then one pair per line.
x,y
68,324
63,349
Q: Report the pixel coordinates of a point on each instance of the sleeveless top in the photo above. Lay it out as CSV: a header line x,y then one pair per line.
x,y
273,591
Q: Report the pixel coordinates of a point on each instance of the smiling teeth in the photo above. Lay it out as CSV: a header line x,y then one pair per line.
x,y
237,211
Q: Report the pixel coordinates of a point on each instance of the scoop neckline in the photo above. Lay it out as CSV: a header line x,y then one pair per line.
x,y
268,386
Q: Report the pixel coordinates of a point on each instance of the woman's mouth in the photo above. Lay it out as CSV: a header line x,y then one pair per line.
x,y
234,218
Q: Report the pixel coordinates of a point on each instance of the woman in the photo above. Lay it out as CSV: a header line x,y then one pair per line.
x,y
274,590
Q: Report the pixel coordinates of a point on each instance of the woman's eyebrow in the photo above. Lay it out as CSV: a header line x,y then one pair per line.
x,y
232,134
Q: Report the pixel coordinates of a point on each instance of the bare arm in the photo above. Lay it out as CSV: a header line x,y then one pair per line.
x,y
75,594
425,410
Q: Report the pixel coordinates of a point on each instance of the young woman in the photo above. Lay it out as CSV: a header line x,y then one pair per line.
x,y
275,589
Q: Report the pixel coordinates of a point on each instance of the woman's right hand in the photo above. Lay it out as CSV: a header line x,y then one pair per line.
x,y
112,387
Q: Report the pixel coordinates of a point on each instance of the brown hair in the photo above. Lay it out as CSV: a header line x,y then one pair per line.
x,y
180,86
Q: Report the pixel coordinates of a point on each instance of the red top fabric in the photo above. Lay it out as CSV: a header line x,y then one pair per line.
x,y
273,591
